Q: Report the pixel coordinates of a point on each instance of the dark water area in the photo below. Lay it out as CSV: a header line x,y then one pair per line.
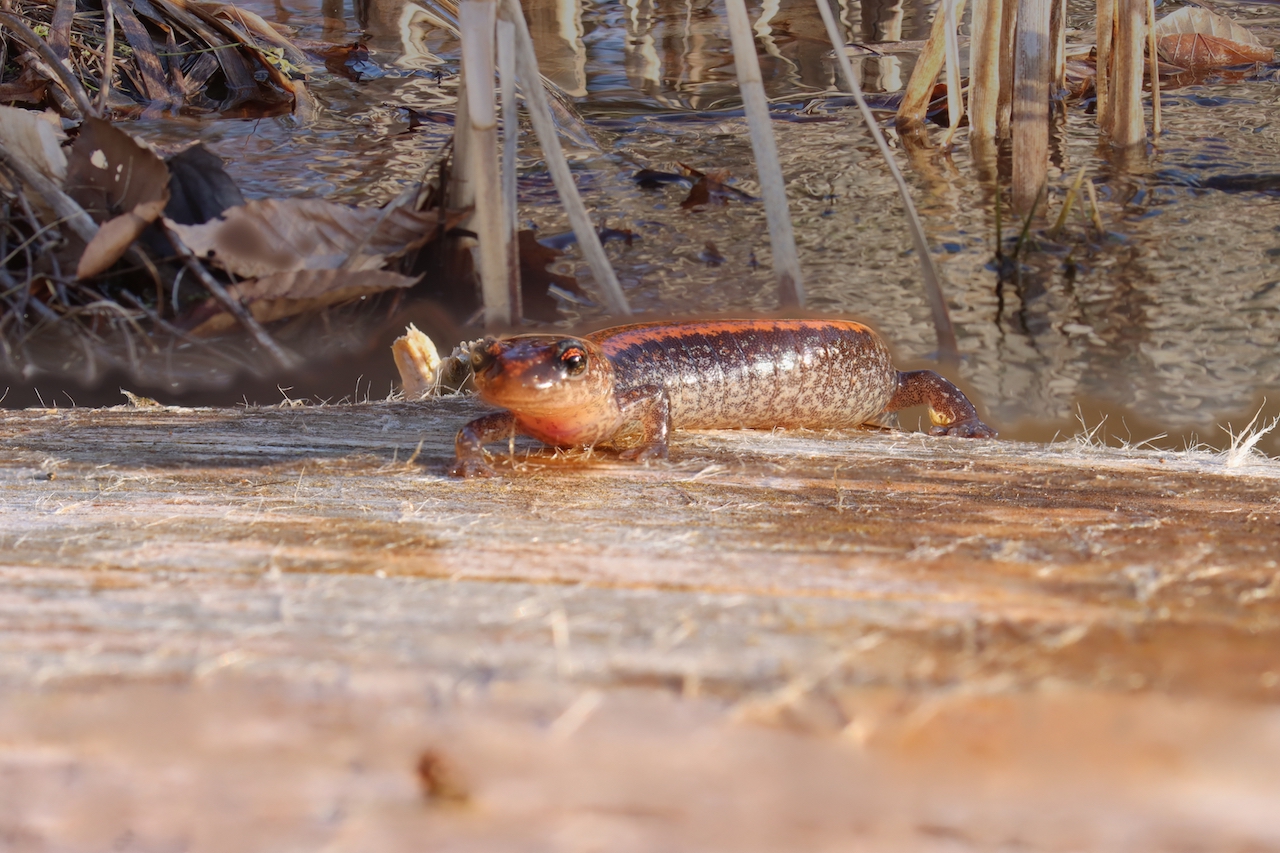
x,y
1167,323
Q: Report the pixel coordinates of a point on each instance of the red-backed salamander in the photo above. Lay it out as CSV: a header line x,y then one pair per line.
x,y
715,374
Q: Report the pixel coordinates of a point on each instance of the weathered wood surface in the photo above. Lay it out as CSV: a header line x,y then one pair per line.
x,y
242,630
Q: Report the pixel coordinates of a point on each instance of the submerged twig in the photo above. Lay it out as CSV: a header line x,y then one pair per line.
x,y
948,350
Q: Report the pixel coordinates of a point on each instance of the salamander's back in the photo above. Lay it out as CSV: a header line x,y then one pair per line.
x,y
756,373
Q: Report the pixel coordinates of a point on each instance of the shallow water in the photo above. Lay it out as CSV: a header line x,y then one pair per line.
x,y
1169,320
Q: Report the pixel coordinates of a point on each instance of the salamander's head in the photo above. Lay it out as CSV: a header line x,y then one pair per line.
x,y
560,388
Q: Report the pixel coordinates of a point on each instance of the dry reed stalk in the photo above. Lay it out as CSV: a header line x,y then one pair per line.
x,y
544,127
1058,40
955,102
948,349
1154,69
919,91
510,140
1105,34
984,71
510,117
786,261
1128,127
1008,36
477,19
1032,68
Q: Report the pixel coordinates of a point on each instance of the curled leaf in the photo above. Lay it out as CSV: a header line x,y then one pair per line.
x,y
271,236
109,172
35,139
1195,38
275,297
116,236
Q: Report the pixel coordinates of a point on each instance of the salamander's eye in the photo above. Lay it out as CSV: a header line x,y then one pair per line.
x,y
573,357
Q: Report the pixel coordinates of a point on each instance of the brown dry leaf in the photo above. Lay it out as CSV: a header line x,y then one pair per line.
x,y
35,139
116,236
275,297
109,172
1195,38
287,235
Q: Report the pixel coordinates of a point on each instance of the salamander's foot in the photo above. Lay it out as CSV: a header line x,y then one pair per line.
x,y
644,453
469,467
972,428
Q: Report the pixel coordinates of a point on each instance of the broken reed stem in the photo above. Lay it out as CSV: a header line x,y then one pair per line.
x,y
108,56
535,98
477,19
948,350
1034,53
1153,58
984,71
233,306
1067,203
786,261
1128,126
69,82
1105,33
919,91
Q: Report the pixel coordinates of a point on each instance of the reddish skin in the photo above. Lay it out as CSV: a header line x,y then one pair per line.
x,y
722,374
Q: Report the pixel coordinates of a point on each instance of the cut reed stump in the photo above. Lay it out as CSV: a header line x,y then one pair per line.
x,y
263,629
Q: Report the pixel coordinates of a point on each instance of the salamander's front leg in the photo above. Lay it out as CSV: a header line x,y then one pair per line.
x,y
649,406
949,409
469,445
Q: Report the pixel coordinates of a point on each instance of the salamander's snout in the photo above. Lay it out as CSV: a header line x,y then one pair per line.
x,y
484,353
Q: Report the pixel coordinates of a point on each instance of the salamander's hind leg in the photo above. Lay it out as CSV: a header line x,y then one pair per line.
x,y
649,406
949,409
469,445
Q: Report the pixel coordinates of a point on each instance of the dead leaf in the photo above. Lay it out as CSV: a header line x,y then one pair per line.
x,y
109,172
1195,38
709,190
271,236
35,138
116,236
199,187
275,297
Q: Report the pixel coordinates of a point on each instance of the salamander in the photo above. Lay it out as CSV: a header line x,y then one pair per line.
x,y
720,374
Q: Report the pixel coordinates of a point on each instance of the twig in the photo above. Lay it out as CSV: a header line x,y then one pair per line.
x,y
108,55
947,347
535,97
63,205
233,306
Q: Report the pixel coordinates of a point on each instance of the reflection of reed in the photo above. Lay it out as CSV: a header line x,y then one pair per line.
x,y
556,27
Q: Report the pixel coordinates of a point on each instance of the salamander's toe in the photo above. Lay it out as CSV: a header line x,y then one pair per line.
x,y
470,467
972,428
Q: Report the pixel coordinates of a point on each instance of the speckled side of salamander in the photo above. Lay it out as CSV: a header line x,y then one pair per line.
x,y
756,374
